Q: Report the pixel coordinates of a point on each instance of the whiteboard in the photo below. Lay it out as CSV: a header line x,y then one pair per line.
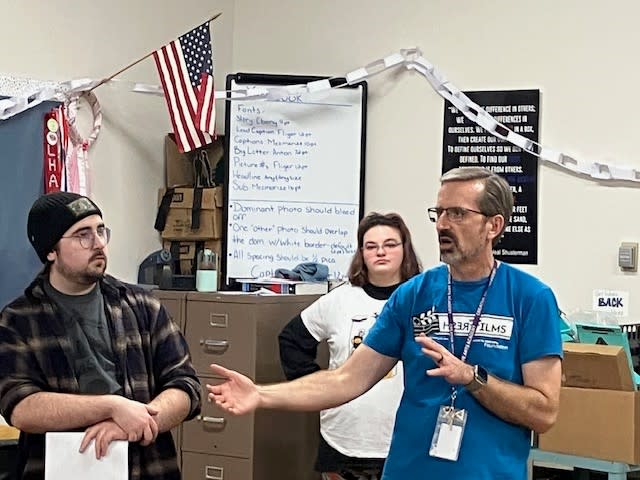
x,y
295,178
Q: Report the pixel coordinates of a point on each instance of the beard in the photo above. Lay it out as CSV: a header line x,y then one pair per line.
x,y
452,253
449,249
451,258
92,273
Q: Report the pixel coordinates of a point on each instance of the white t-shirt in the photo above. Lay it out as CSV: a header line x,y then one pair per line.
x,y
363,427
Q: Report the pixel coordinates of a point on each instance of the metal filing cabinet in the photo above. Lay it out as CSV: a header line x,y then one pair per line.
x,y
240,332
175,303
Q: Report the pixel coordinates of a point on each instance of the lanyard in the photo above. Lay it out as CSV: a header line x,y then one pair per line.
x,y
474,324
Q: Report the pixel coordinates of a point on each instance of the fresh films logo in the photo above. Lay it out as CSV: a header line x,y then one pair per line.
x,y
426,322
490,326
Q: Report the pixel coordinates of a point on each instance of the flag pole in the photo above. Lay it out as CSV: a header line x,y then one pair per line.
x,y
110,77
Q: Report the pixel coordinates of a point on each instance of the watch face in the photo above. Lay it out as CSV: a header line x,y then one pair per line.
x,y
481,375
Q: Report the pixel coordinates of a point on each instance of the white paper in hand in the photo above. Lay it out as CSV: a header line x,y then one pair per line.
x,y
63,460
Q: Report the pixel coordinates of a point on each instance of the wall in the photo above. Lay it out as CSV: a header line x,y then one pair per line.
x,y
578,57
68,39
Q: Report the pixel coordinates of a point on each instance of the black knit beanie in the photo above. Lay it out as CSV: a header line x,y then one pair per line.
x,y
53,214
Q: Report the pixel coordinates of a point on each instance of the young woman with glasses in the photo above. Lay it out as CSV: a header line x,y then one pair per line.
x,y
354,437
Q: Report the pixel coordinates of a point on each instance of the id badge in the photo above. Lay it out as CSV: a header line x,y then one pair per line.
x,y
447,437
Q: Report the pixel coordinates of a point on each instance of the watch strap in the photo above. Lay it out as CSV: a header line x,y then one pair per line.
x,y
480,377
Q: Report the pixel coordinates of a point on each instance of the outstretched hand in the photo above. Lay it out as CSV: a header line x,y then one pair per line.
x,y
450,367
237,394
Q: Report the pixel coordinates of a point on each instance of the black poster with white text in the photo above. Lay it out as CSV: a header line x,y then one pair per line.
x,y
466,144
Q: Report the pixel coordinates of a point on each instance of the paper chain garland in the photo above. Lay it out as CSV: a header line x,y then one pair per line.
x,y
411,59
47,91
68,92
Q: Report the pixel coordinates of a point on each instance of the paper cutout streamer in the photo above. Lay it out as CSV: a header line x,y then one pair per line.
x,y
410,59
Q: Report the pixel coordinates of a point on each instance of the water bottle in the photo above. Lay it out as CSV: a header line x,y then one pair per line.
x,y
207,271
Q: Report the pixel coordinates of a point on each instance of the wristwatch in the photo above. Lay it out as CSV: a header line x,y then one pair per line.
x,y
480,378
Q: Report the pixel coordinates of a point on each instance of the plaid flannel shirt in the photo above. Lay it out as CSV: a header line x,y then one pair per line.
x,y
151,356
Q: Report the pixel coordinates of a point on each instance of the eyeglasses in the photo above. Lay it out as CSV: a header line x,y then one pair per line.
x,y
87,237
386,246
454,214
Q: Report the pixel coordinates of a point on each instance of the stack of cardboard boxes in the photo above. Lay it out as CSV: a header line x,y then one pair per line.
x,y
181,234
599,406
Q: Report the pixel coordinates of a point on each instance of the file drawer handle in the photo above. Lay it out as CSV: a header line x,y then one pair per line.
x,y
214,420
213,473
218,320
218,344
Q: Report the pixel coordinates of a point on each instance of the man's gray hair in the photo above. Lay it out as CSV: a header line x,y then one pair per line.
x,y
497,198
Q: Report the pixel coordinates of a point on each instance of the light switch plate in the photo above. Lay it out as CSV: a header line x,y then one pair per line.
x,y
628,256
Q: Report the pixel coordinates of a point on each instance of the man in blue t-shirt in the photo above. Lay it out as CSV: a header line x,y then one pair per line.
x,y
481,347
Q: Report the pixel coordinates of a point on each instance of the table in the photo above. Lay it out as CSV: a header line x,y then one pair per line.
x,y
614,470
8,433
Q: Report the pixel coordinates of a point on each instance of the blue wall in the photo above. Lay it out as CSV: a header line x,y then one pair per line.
x,y
21,153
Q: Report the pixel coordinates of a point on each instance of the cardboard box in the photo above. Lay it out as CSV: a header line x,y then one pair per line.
x,y
186,253
178,224
596,366
179,166
596,421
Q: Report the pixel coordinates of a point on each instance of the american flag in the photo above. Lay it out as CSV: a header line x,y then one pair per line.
x,y
186,72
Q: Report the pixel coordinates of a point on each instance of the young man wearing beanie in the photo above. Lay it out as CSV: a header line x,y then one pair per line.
x,y
83,351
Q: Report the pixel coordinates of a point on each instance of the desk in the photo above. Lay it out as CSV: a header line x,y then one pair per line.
x,y
614,470
8,433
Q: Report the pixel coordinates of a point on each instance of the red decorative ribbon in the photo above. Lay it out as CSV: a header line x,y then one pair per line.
x,y
53,156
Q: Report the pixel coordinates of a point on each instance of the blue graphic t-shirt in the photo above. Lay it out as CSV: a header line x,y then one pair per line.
x,y
519,324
